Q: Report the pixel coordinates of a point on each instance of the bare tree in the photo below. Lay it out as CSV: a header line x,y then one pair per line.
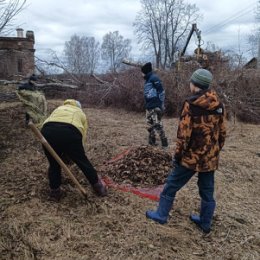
x,y
8,11
236,60
93,54
52,64
253,39
114,49
82,54
253,44
164,25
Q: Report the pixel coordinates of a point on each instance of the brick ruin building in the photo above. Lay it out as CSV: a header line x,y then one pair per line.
x,y
17,55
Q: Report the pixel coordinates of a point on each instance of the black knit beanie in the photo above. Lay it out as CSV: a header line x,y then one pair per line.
x,y
33,77
147,68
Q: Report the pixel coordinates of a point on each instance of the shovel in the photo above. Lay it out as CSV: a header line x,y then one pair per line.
x,y
44,142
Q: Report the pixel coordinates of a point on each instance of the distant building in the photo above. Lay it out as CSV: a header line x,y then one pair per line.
x,y
17,55
252,64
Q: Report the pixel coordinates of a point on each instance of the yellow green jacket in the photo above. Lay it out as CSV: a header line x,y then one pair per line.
x,y
72,114
35,105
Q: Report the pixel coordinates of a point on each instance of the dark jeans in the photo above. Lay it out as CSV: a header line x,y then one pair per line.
x,y
66,139
181,175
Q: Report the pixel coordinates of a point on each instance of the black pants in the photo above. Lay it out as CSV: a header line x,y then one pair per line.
x,y
66,139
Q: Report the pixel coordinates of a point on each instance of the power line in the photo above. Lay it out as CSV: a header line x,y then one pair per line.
x,y
232,18
228,22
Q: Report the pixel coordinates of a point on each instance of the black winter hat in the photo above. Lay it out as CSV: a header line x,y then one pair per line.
x,y
147,68
33,77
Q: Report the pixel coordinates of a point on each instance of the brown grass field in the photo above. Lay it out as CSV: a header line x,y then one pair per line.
x,y
115,227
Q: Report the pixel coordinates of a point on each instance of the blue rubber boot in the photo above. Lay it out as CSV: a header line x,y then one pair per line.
x,y
206,214
162,212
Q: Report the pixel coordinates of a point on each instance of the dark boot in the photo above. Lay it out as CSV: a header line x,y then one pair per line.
x,y
162,212
100,189
206,214
152,140
164,142
56,194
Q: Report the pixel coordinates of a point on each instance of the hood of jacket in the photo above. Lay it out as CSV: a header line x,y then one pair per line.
x,y
205,99
72,102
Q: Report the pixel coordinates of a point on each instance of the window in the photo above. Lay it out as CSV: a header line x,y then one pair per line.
x,y
20,65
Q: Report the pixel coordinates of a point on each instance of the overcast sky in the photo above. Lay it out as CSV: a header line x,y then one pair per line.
x,y
55,21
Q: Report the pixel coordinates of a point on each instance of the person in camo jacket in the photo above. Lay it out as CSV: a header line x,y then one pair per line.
x,y
200,138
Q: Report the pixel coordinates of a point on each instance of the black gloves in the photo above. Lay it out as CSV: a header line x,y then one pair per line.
x,y
27,118
176,161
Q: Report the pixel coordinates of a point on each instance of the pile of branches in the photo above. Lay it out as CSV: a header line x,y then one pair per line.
x,y
241,95
141,166
237,89
47,85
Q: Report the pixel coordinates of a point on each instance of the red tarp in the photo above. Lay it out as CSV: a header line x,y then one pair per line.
x,y
150,193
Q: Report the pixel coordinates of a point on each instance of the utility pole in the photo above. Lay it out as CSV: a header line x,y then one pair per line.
x,y
258,20
258,56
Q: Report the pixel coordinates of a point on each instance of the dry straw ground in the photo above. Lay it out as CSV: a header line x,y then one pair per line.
x,y
32,227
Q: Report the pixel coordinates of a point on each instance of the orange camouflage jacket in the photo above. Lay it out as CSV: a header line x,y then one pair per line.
x,y
201,132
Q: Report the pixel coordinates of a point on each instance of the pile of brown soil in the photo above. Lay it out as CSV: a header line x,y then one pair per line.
x,y
143,165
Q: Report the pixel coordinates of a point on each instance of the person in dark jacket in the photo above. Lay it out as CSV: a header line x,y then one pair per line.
x,y
30,84
200,138
154,95
65,130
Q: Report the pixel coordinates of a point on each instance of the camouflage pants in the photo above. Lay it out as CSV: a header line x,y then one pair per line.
x,y
154,122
